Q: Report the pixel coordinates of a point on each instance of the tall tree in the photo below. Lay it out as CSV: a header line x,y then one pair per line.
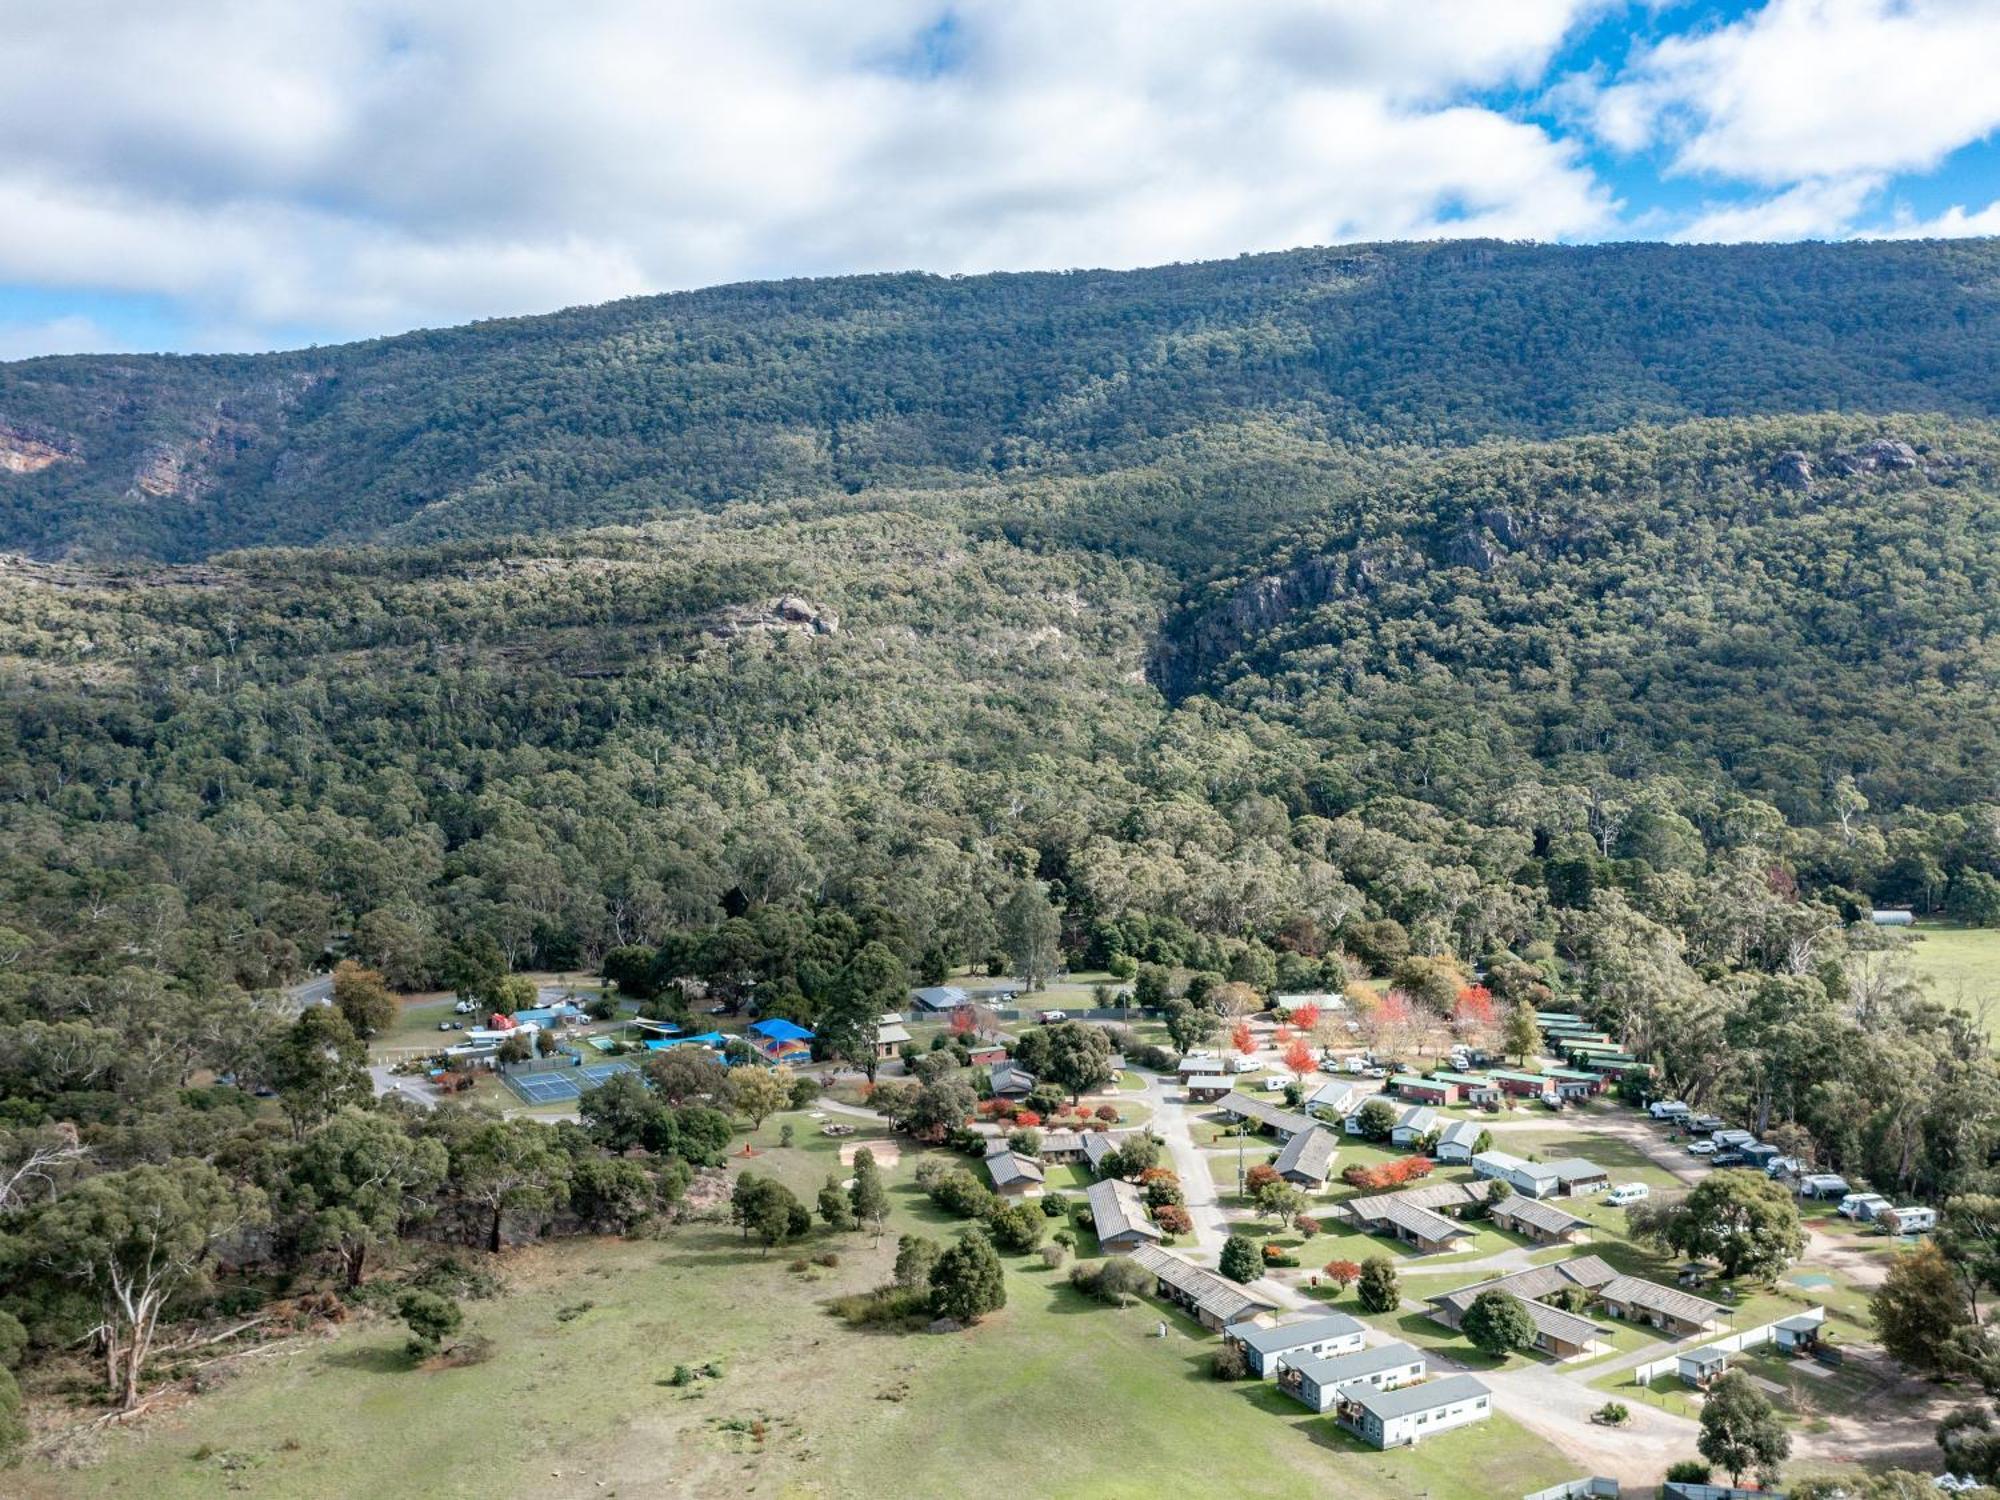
x,y
509,1167
137,1238
967,1281
1740,1431
352,1182
1917,1307
1031,931
317,1065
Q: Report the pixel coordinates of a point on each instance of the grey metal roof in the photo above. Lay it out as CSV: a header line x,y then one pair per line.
x,y
1222,1300
1098,1144
1461,1133
1538,1214
1248,1107
1418,1221
1060,1140
1116,1208
1577,1169
1310,1152
1333,1369
1675,1303
1587,1271
1407,1400
1009,1167
1299,1331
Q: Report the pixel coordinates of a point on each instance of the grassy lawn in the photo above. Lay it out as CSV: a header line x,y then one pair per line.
x,y
1963,966
575,1404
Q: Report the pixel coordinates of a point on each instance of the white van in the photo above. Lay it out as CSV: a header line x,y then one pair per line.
x,y
1628,1192
1861,1207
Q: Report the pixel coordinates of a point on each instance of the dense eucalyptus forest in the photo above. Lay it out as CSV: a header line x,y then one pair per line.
x,y
1621,621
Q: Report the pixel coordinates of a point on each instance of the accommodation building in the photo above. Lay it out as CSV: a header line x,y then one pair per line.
x,y
1664,1307
1576,1083
1558,1332
986,1054
1535,1178
890,1034
1100,1144
1522,1085
1009,1081
1576,1176
1214,1302
1416,1122
1014,1175
1410,1413
1418,1090
1061,1146
1266,1348
940,998
1318,1381
1307,1160
1264,1115
1339,1101
1699,1367
1473,1088
1798,1334
1459,1141
1207,1067
1535,1220
1207,1088
1393,1214
1118,1212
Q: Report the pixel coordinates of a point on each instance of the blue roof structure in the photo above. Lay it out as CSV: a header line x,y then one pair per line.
x,y
781,1030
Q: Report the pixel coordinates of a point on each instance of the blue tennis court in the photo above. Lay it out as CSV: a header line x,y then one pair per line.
x,y
565,1084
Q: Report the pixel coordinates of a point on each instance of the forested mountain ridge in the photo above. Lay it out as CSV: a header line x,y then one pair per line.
x,y
777,390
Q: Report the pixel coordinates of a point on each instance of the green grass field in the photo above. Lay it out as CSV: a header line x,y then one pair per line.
x,y
1080,1397
1963,967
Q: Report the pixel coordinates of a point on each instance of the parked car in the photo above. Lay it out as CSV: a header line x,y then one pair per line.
x,y
1551,1101
1374,1072
464,1008
1701,1148
1628,1192
444,1026
1727,1159
1050,1017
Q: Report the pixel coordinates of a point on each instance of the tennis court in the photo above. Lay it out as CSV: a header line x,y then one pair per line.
x,y
565,1084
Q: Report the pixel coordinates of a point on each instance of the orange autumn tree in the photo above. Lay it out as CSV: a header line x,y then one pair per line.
x,y
1242,1040
1306,1018
1299,1059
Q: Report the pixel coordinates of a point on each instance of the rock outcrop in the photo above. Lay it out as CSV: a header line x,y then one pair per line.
x,y
1793,470
29,450
788,612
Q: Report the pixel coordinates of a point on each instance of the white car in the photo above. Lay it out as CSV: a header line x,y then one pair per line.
x,y
464,1008
1628,1192
1701,1148
1050,1017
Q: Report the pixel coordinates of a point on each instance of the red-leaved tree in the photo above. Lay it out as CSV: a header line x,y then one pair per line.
x,y
1299,1059
1241,1039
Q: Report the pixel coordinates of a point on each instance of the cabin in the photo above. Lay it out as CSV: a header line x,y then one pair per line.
x,y
1543,1223
1212,1301
939,999
1410,1413
1459,1141
890,1035
1267,1348
1798,1334
1666,1308
1061,1146
1558,1333
1415,1123
1264,1115
1307,1160
1318,1381
1393,1214
1010,1082
1203,1067
1208,1088
1339,1101
1574,1083
1699,1367
986,1055
1100,1145
1118,1213
1014,1175
1534,1178
1473,1088
1434,1091
1521,1085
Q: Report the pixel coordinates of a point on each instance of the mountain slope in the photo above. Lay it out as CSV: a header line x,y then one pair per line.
x,y
785,389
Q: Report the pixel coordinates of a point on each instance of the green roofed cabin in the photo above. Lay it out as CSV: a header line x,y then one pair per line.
x,y
1424,1090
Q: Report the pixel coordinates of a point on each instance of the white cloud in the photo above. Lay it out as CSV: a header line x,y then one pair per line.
x,y
65,335
363,165
1954,223
1816,210
1813,89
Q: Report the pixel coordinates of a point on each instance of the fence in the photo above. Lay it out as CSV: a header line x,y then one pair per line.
x,y
1750,1338
1578,1489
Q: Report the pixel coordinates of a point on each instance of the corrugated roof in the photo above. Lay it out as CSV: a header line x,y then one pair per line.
x,y
1635,1291
1310,1152
1222,1300
1333,1369
1292,1335
1116,1208
1537,1214
1247,1107
1009,1167
1418,1221
1407,1400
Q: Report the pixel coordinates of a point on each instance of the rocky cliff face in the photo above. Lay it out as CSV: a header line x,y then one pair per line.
x,y
29,450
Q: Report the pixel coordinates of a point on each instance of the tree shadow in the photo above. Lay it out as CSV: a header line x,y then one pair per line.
x,y
373,1359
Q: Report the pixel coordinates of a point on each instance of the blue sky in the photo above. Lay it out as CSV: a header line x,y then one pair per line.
x,y
204,175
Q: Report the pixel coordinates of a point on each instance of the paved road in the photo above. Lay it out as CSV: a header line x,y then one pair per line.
x,y
315,991
414,1089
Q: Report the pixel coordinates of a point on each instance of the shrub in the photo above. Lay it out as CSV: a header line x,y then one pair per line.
x,y
1054,1206
1026,1119
1116,1281
1614,1414
1053,1256
682,1376
885,1305
1689,1471
959,1192
1229,1363
1342,1273
431,1319
1240,1261
1306,1225
1108,1113
1173,1219
1017,1228
1262,1176
1274,1256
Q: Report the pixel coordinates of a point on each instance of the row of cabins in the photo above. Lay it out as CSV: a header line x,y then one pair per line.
x,y
1568,1177
1564,1333
1427,1217
1379,1394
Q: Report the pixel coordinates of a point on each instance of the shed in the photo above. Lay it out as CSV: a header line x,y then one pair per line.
x,y
1014,1175
1459,1141
1699,1367
939,998
1010,1082
1798,1333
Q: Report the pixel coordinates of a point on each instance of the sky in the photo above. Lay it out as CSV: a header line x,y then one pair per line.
x,y
213,175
